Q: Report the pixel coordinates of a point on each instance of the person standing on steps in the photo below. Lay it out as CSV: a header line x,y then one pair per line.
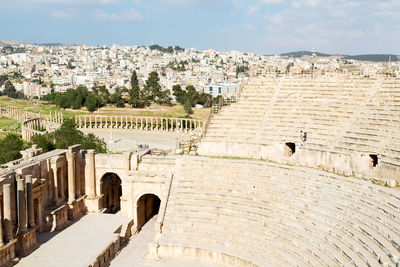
x,y
303,138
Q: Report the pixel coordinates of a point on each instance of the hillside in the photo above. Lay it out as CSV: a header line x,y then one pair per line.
x,y
366,57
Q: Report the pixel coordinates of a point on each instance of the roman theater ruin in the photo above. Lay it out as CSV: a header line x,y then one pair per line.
x,y
255,194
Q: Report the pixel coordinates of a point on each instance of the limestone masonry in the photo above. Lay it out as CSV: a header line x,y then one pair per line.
x,y
260,193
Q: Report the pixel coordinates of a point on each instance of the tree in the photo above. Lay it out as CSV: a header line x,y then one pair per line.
x,y
10,147
93,102
179,93
152,90
134,79
10,90
116,98
67,135
188,106
134,94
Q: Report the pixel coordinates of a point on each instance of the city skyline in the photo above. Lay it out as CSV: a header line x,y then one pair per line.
x,y
259,26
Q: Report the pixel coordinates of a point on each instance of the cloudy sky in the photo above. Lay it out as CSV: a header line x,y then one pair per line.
x,y
261,26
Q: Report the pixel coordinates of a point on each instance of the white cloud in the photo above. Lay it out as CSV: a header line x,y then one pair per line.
x,y
63,14
125,15
271,2
252,10
249,26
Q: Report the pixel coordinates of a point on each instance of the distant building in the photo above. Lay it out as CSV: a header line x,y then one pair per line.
x,y
222,89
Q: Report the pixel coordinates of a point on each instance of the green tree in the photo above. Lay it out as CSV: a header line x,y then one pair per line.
x,y
153,92
179,93
93,102
134,79
134,93
43,142
10,90
67,135
10,147
116,98
188,107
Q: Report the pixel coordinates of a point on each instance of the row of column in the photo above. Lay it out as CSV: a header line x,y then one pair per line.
x,y
25,209
56,118
138,123
31,128
13,112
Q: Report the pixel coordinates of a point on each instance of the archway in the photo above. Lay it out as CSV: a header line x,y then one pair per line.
x,y
111,189
148,205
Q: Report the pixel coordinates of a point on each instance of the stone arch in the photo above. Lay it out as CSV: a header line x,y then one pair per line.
x,y
147,206
111,189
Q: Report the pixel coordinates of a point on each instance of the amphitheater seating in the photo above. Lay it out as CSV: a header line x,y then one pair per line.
x,y
342,116
261,214
275,112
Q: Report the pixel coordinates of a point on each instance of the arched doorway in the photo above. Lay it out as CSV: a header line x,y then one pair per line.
x,y
111,188
148,205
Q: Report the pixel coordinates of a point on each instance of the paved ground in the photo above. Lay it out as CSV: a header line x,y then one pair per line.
x,y
125,140
134,253
77,244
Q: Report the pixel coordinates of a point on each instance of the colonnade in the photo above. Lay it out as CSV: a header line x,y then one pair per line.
x,y
137,123
25,209
23,114
33,127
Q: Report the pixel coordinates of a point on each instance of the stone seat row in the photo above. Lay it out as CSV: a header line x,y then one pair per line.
x,y
206,198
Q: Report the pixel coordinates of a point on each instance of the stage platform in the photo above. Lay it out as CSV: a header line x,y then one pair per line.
x,y
78,245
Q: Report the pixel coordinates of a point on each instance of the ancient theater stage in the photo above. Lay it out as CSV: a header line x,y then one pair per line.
x,y
77,245
120,140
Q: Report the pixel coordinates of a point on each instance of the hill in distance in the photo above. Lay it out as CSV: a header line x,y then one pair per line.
x,y
366,57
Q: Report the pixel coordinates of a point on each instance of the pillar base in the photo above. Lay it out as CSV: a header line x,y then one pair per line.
x,y
93,205
7,254
77,208
26,243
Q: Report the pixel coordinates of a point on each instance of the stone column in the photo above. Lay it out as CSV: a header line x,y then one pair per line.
x,y
78,160
56,185
71,176
8,227
90,122
61,185
91,173
22,220
1,228
29,196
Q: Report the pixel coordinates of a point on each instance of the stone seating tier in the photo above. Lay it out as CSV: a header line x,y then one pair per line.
x,y
265,213
357,116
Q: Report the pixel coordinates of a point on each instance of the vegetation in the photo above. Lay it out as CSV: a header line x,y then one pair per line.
x,y
10,147
100,96
190,97
241,69
135,99
68,135
44,107
10,91
169,49
12,50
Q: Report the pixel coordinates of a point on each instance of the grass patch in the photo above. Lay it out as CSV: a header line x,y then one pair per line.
x,y
175,110
6,122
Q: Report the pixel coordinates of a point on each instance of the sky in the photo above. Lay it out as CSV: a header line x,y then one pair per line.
x,y
260,26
